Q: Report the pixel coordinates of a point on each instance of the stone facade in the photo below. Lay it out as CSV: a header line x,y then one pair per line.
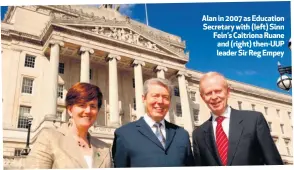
x,y
47,49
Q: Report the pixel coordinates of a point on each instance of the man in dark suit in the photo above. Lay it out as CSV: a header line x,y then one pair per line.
x,y
231,137
151,141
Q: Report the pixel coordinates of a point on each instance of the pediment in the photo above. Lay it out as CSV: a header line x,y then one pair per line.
x,y
110,24
123,32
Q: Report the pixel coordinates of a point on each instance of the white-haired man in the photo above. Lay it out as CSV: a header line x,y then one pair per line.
x,y
229,136
151,141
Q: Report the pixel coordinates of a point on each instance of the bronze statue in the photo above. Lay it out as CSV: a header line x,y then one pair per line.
x,y
111,6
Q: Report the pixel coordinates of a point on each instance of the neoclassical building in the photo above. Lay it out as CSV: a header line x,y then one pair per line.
x,y
47,49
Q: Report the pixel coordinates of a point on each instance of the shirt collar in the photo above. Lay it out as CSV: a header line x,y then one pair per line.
x,y
151,122
226,114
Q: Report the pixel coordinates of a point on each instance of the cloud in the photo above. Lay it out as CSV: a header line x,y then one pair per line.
x,y
126,9
96,5
246,73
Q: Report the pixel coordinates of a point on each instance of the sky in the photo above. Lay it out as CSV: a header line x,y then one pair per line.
x,y
185,21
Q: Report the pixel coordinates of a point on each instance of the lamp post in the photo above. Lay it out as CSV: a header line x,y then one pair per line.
x,y
284,81
27,149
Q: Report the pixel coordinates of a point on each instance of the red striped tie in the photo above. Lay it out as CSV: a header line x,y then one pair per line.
x,y
221,140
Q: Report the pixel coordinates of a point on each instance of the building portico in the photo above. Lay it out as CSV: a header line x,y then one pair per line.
x,y
73,44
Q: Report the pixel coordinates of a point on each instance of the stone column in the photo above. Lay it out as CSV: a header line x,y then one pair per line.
x,y
160,70
52,81
113,90
63,116
85,64
186,111
137,64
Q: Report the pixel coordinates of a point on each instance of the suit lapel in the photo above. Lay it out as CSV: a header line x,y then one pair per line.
x,y
99,155
235,132
170,133
69,146
145,130
210,140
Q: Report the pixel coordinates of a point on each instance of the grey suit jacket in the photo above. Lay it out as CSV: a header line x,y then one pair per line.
x,y
250,142
57,149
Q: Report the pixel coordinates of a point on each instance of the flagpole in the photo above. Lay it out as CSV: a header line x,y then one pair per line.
x,y
146,15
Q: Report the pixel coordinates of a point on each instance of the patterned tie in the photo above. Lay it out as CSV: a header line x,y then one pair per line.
x,y
221,140
159,134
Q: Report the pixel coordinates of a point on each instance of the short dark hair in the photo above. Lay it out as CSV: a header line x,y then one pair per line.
x,y
82,93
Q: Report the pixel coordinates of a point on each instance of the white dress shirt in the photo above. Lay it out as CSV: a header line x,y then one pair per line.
x,y
225,123
88,159
151,122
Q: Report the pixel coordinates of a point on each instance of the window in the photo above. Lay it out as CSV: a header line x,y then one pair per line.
x,y
90,74
193,96
176,91
60,91
240,105
282,128
265,110
133,82
17,152
196,115
287,146
30,61
253,107
27,85
61,68
289,115
270,126
278,112
59,114
179,110
22,118
135,107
